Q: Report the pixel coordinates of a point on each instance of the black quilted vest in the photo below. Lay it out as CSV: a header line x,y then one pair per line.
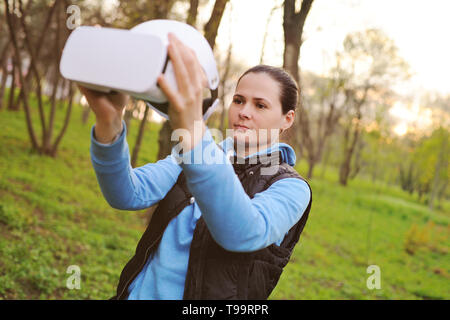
x,y
213,272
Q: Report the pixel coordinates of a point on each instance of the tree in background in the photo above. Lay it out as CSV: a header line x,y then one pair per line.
x,y
192,13
293,24
431,160
323,101
212,26
8,60
4,57
229,70
369,66
440,106
131,12
54,34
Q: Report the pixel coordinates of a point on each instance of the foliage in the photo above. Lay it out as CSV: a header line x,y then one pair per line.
x,y
428,154
417,237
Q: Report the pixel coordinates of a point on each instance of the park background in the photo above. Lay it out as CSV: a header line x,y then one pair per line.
x,y
371,136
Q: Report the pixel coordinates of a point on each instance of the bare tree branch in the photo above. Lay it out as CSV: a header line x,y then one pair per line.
x,y
19,65
212,26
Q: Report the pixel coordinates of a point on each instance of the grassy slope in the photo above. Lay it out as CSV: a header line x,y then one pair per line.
x,y
53,215
364,224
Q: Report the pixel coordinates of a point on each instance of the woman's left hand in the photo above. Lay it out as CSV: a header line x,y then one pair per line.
x,y
185,104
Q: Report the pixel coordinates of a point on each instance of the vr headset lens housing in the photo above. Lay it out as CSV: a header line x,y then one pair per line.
x,y
129,61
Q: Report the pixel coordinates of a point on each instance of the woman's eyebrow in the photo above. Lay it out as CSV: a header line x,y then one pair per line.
x,y
255,98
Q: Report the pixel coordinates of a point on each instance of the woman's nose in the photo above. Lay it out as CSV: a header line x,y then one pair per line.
x,y
245,112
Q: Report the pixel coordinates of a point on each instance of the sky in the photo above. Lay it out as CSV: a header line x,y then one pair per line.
x,y
419,29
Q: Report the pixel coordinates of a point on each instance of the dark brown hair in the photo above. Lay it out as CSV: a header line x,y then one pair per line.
x,y
288,86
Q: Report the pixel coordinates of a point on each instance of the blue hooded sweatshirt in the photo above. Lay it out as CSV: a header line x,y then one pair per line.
x,y
235,221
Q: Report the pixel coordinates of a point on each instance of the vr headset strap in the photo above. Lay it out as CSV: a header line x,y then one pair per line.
x,y
209,104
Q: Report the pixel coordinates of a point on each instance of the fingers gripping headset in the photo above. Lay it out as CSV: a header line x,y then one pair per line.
x,y
129,61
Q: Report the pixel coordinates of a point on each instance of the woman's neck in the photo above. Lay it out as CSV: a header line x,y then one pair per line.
x,y
245,151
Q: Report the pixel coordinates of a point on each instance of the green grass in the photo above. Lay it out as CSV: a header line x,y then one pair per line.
x,y
363,224
53,215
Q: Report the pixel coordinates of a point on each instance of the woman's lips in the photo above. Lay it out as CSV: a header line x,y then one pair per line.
x,y
239,127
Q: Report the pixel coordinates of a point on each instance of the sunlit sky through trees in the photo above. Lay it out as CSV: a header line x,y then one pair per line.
x,y
419,29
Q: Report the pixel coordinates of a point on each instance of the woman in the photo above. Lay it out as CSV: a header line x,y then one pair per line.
x,y
222,229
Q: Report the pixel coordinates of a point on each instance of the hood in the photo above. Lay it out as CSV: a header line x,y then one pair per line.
x,y
287,152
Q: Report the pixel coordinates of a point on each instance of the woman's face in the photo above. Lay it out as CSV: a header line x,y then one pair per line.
x,y
256,105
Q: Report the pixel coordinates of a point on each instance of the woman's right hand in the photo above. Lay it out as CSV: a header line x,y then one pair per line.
x,y
108,109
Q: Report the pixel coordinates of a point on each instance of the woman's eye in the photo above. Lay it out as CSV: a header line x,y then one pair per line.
x,y
236,100
261,106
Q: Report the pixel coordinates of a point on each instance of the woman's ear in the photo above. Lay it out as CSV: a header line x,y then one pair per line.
x,y
288,120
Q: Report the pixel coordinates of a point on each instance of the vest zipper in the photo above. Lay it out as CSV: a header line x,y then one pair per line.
x,y
146,254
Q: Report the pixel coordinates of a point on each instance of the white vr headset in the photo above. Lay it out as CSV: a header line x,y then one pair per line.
x,y
129,61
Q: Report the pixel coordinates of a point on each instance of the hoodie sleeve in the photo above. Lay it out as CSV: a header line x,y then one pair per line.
x,y
235,221
128,188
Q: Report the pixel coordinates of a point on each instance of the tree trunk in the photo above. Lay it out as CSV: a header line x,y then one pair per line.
x,y
263,47
35,54
212,26
137,146
356,168
345,169
12,87
161,8
352,133
326,128
5,53
48,137
4,69
311,169
293,23
344,172
440,162
57,51
3,83
222,96
54,148
85,115
192,14
165,144
325,160
33,70
31,133
442,192
374,171
129,113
